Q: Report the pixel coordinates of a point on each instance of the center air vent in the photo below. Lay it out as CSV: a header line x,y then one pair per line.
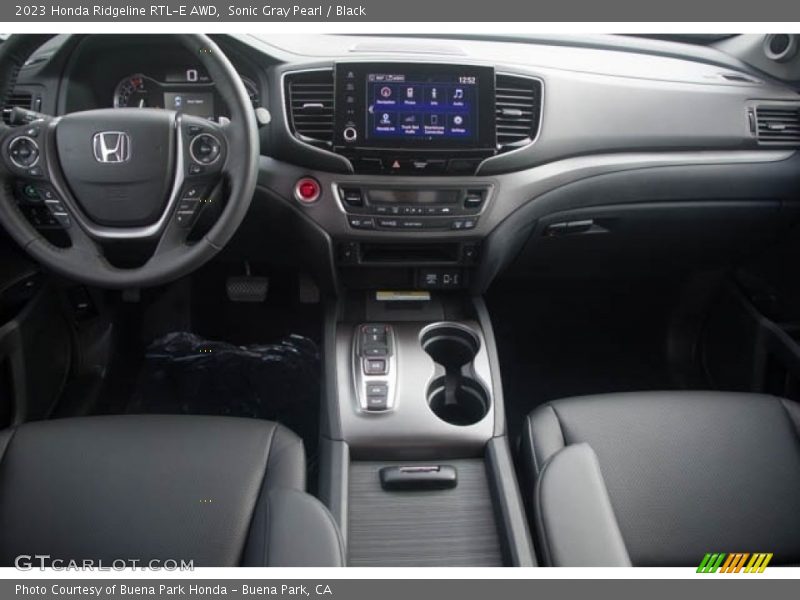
x,y
310,100
17,98
518,105
778,124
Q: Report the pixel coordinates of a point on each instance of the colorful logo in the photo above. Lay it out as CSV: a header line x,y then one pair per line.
x,y
719,562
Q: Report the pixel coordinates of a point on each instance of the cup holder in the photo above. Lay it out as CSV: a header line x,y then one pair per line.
x,y
456,397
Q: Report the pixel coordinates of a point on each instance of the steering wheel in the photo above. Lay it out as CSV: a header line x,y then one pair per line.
x,y
111,176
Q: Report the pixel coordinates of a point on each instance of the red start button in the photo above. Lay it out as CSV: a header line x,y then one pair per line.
x,y
307,190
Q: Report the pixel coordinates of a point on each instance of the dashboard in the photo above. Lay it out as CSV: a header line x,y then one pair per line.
x,y
398,161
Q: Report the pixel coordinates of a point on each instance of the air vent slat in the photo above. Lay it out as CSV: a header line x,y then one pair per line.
x,y
20,99
778,124
310,99
517,111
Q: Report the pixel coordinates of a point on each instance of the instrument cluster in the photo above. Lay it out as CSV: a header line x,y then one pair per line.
x,y
189,90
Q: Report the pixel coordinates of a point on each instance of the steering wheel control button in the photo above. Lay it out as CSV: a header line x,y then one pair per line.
x,y
188,205
61,217
23,152
195,169
42,207
39,216
31,193
47,193
55,206
184,218
307,190
205,149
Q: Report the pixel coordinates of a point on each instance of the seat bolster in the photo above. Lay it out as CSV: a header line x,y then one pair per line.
x,y
286,461
575,522
5,439
792,409
541,438
294,530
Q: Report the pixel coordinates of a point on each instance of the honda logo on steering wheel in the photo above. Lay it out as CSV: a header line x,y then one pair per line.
x,y
111,146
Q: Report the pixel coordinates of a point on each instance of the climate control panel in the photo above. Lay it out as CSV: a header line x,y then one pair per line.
x,y
393,209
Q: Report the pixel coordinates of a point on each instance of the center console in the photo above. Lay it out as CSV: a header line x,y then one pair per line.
x,y
387,158
416,465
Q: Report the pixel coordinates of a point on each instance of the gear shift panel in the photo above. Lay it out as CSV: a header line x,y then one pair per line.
x,y
374,367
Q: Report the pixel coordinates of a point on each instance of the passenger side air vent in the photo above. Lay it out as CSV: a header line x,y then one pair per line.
x,y
17,98
310,100
778,124
518,105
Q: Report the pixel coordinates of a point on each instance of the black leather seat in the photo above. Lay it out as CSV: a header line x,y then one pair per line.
x,y
215,490
661,478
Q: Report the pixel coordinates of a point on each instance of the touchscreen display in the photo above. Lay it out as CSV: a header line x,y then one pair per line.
x,y
424,107
199,104
414,107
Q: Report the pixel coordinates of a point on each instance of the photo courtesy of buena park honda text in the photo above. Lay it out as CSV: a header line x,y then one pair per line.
x,y
415,299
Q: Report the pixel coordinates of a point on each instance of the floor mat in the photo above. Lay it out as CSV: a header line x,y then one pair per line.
x,y
215,317
184,373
